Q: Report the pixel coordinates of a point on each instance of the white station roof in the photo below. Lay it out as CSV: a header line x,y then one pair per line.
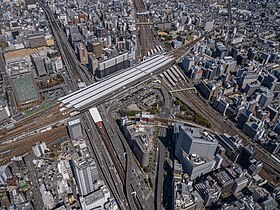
x,y
95,115
115,82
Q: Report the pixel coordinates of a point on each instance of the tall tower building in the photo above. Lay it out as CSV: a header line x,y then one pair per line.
x,y
82,53
85,173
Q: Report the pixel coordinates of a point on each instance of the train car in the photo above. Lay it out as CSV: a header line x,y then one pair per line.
x,y
172,75
5,152
275,158
173,70
158,49
96,116
169,79
180,73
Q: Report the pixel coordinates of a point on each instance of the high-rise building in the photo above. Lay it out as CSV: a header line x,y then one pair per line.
x,y
39,64
92,62
82,53
188,63
95,48
244,117
239,184
246,154
112,65
195,149
85,173
195,141
5,173
74,128
19,162
255,167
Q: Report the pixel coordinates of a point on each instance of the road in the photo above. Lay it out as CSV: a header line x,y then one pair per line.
x,y
7,85
38,203
159,177
134,179
104,161
220,125
74,69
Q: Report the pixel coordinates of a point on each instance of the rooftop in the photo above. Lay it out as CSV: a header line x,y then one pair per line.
x,y
25,88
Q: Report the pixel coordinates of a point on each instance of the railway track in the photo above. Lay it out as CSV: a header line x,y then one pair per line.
x,y
19,148
41,119
75,71
147,37
221,126
112,152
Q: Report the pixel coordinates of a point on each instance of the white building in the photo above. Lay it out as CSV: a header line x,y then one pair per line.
x,y
5,173
39,149
96,199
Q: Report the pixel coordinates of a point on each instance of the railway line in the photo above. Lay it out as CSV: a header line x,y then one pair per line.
x,y
75,71
104,163
221,126
122,150
147,36
38,120
19,148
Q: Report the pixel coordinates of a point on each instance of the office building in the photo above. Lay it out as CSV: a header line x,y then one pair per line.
x,y
225,181
222,106
239,184
251,88
254,130
207,89
39,149
82,53
246,154
49,65
247,77
75,35
39,64
260,193
95,48
195,141
255,167
188,63
269,204
92,63
183,199
232,145
243,118
139,137
195,150
209,191
19,162
5,173
112,65
96,199
266,98
74,128
85,174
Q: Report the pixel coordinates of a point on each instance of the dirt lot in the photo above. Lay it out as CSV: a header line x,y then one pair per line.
x,y
21,52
